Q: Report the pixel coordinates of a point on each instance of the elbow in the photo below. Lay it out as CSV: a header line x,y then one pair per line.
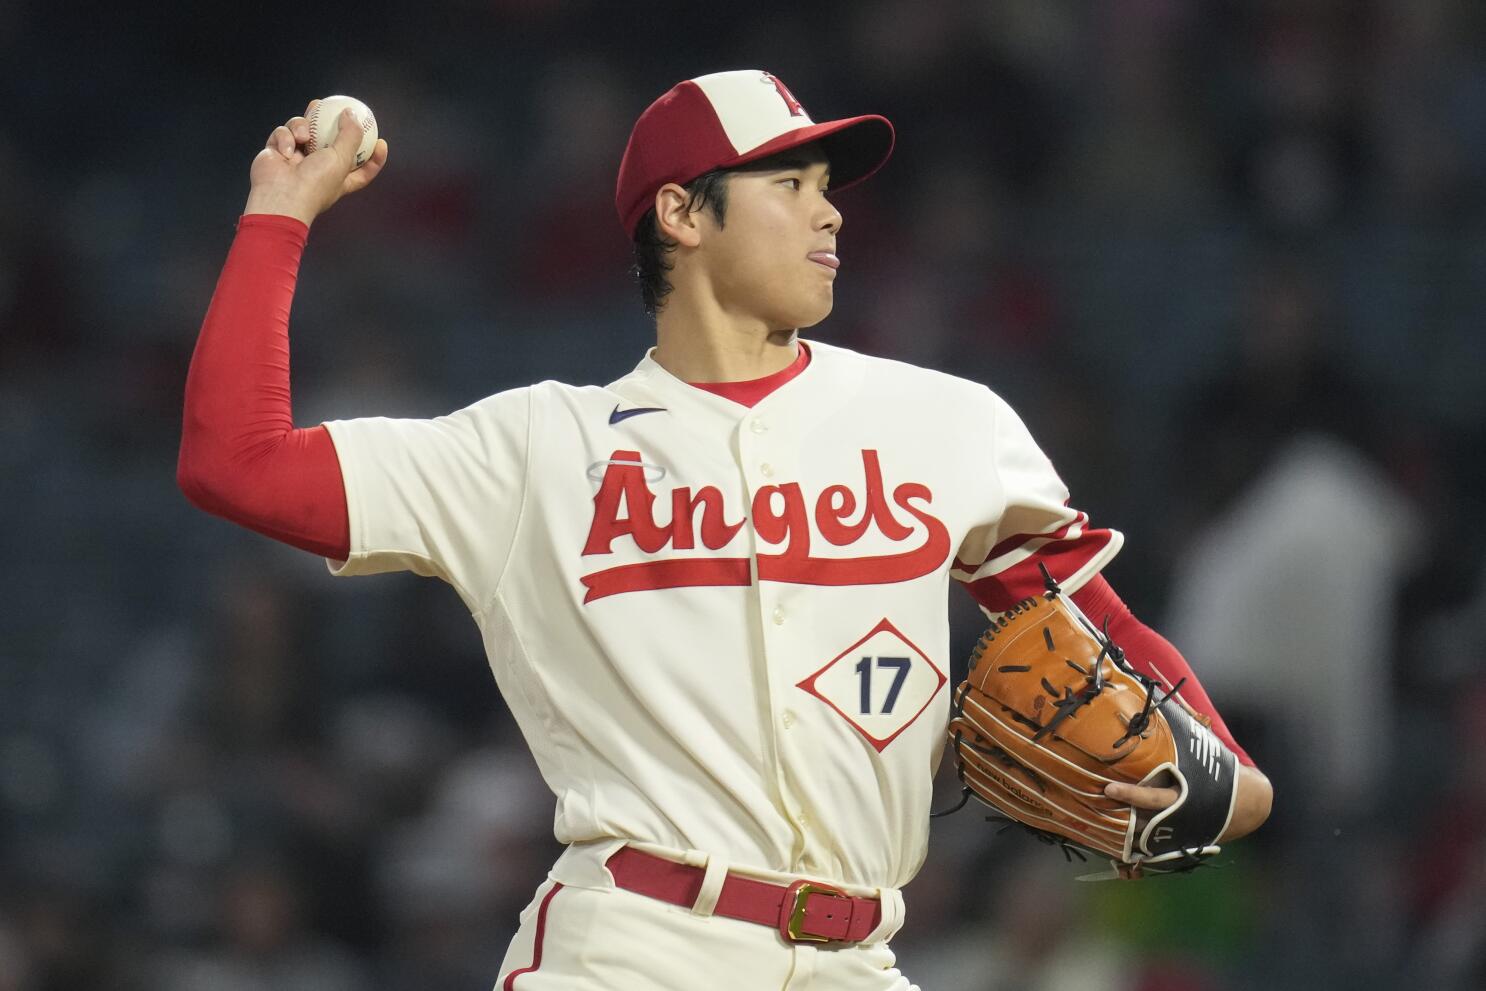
x,y
199,478
205,469
219,476
192,481
190,477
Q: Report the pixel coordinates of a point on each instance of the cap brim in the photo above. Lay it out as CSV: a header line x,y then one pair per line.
x,y
856,146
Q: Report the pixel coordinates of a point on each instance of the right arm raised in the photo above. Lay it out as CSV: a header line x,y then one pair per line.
x,y
241,457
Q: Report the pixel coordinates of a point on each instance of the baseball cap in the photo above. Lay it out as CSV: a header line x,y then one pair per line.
x,y
732,118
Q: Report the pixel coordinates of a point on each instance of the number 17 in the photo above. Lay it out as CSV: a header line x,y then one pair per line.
x,y
864,671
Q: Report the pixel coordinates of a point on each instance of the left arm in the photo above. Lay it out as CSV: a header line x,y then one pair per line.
x,y
1032,524
1250,808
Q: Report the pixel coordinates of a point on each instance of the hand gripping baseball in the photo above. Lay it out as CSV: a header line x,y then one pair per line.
x,y
285,180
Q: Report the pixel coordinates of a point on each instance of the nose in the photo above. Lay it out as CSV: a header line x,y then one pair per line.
x,y
830,217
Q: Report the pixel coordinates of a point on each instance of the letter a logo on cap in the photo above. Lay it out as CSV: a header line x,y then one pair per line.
x,y
796,109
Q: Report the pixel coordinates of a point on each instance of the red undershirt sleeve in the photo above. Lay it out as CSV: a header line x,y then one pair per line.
x,y
241,457
1150,653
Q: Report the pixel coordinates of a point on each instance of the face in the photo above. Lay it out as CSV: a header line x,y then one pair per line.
x,y
774,256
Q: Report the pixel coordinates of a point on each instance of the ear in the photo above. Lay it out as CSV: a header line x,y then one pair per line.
x,y
672,218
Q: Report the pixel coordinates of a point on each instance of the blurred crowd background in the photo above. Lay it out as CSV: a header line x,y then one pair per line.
x,y
1228,260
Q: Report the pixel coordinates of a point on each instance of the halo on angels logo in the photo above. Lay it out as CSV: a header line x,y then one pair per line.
x,y
597,469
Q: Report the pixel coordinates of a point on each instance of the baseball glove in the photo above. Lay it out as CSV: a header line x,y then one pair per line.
x,y
1051,712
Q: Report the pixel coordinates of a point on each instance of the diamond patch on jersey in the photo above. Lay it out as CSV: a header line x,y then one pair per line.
x,y
880,684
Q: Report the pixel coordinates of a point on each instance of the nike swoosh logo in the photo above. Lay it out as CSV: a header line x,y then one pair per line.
x,y
619,414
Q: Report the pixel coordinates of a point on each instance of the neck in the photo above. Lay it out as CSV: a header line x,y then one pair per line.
x,y
703,343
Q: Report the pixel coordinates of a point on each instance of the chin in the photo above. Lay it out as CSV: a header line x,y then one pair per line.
x,y
810,319
805,308
813,315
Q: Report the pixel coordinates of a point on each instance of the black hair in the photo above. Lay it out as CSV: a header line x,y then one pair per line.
x,y
652,248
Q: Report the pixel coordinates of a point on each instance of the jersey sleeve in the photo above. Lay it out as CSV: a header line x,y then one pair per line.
x,y
439,497
1028,522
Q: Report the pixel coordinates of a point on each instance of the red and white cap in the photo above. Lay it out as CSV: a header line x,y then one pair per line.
x,y
725,119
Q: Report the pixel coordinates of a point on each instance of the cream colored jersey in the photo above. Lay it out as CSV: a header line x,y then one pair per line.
x,y
721,628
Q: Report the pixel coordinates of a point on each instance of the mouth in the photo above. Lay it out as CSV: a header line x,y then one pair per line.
x,y
825,258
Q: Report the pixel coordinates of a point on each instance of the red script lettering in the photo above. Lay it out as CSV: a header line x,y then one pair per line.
x,y
624,506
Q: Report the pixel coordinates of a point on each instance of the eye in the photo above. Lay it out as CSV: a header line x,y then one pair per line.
x,y
795,181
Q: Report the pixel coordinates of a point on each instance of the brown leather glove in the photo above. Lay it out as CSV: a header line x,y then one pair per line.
x,y
1052,712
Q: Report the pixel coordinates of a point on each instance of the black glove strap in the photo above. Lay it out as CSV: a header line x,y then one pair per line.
x,y
1210,772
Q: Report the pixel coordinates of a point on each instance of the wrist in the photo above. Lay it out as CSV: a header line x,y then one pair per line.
x,y
1252,804
272,201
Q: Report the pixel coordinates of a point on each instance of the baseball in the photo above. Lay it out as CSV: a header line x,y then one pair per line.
x,y
325,121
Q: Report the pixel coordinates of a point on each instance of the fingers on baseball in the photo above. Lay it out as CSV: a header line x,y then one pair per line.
x,y
368,171
281,140
378,157
348,135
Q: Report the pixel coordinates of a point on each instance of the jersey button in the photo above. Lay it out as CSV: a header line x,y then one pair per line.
x,y
788,719
758,426
778,616
766,470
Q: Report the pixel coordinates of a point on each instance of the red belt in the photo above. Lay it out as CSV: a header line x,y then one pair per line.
x,y
803,912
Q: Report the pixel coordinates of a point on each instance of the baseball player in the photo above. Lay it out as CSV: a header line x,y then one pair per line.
x,y
712,592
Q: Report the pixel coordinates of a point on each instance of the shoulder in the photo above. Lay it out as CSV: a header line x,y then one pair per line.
x,y
541,397
905,380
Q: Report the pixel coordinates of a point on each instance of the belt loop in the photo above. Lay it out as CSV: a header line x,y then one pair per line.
x,y
715,874
893,912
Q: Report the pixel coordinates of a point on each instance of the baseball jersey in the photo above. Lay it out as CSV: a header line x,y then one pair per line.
x,y
722,628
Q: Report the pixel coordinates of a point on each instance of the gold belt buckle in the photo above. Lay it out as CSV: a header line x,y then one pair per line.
x,y
792,912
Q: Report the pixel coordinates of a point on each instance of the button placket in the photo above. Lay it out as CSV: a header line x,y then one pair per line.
x,y
763,462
